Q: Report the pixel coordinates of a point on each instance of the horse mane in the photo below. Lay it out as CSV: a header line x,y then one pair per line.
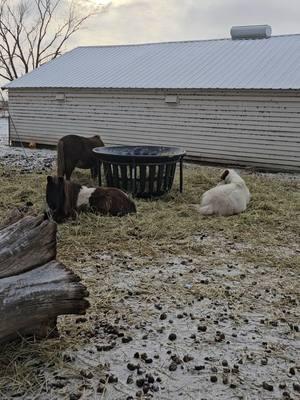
x,y
231,176
71,191
97,141
224,175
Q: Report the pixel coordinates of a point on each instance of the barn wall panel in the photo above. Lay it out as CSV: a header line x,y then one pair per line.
x,y
252,128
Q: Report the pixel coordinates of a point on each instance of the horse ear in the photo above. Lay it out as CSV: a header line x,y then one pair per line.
x,y
49,179
225,173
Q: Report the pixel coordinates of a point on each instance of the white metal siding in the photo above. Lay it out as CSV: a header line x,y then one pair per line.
x,y
252,128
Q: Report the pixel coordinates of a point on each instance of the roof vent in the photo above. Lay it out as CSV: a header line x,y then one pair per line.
x,y
251,32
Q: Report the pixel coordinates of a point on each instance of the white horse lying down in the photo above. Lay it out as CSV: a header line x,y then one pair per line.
x,y
230,196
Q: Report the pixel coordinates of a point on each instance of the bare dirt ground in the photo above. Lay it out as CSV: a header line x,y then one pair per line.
x,y
182,307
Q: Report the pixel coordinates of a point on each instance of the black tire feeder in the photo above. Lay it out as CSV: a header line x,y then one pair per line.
x,y
144,171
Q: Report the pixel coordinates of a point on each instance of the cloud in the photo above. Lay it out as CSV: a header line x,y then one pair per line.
x,y
141,21
137,21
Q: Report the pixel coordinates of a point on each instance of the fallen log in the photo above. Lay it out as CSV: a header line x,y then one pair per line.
x,y
15,215
26,244
34,287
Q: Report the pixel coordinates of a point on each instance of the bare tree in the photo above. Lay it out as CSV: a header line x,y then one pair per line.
x,y
30,34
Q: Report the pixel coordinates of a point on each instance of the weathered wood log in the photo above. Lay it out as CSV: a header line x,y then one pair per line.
x,y
28,301
26,244
15,215
34,287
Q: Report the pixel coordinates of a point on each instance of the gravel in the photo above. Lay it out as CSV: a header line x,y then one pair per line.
x,y
26,160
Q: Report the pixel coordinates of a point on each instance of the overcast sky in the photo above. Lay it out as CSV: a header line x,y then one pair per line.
x,y
142,21
136,21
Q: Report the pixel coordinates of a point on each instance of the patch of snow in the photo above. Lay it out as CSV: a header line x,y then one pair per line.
x,y
27,160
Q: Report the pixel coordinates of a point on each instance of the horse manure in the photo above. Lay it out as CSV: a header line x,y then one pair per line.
x,y
74,396
282,386
101,388
146,388
131,367
292,371
202,328
86,374
267,386
140,382
173,366
172,336
140,371
296,387
155,387
126,339
187,358
150,378
225,380
112,379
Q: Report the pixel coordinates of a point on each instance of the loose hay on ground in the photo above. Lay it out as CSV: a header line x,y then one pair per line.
x,y
139,252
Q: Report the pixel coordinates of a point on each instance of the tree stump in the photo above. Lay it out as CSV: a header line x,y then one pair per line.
x,y
34,287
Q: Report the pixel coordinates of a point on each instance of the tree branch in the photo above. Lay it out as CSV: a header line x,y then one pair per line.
x,y
24,44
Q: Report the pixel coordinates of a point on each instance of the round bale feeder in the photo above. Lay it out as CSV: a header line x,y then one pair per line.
x,y
144,171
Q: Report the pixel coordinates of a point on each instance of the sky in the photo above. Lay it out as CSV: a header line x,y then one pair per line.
x,y
140,21
144,21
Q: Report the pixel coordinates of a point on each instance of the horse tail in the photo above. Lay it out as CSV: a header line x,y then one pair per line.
x,y
60,159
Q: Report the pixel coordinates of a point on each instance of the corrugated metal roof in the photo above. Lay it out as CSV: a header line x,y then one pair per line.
x,y
272,63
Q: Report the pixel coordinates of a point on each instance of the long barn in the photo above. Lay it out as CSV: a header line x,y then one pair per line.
x,y
229,101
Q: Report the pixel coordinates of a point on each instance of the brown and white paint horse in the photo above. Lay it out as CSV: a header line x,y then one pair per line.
x,y
65,199
77,151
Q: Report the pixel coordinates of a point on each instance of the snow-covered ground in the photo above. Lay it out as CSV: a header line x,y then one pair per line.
x,y
25,159
3,132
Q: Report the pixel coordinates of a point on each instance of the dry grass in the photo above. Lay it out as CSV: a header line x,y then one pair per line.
x,y
171,224
267,234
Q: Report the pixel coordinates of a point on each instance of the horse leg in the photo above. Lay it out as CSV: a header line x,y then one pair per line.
x,y
69,169
94,171
74,215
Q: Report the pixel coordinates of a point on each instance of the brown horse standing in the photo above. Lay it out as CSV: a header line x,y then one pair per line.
x,y
77,151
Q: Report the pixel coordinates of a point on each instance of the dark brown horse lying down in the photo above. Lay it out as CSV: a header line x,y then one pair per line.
x,y
77,151
65,199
